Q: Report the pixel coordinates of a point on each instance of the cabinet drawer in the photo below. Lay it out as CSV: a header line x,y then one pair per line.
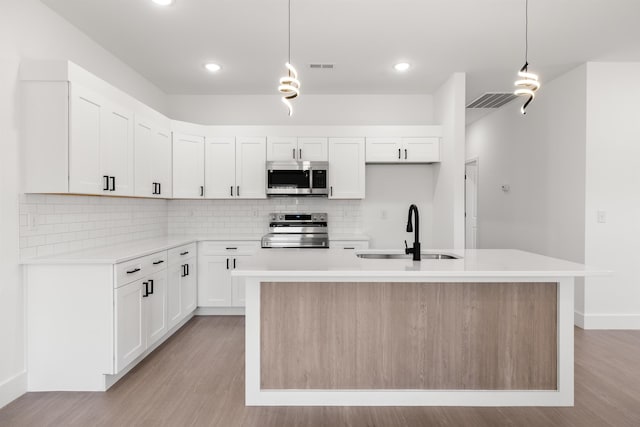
x,y
127,272
182,253
229,248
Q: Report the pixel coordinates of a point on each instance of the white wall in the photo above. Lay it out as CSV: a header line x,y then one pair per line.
x,y
541,156
332,109
613,186
28,29
448,197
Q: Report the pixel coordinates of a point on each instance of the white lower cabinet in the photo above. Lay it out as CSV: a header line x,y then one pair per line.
x,y
130,323
181,286
216,287
141,316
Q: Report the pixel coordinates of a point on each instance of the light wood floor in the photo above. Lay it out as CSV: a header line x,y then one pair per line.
x,y
197,378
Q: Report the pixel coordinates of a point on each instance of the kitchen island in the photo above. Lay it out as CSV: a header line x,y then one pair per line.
x,y
326,327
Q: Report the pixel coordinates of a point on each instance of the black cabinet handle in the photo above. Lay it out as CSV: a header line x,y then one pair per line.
x,y
348,248
227,263
331,191
151,283
234,263
184,271
232,249
146,289
238,191
300,156
294,153
405,154
184,253
154,188
113,183
399,151
187,265
158,262
135,270
201,190
106,183
159,188
232,191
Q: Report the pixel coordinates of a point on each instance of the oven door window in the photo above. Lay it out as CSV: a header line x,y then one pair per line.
x,y
289,179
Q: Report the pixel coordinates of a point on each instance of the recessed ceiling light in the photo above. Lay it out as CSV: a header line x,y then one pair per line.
x,y
212,67
163,2
402,66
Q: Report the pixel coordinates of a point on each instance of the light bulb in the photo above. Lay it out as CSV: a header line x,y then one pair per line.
x,y
402,66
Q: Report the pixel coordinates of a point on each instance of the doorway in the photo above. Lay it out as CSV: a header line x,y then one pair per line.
x,y
471,203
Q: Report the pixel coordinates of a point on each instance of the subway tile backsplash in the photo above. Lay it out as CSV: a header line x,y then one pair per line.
x,y
250,217
54,224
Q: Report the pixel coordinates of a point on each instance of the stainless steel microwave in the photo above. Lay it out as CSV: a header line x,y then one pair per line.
x,y
297,178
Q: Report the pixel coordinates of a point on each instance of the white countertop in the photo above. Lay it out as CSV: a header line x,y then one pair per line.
x,y
475,263
115,254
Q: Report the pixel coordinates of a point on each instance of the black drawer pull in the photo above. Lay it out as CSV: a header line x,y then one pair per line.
x,y
348,247
184,253
158,262
232,249
133,271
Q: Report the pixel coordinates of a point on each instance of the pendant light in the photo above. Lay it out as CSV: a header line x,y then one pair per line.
x,y
289,85
527,83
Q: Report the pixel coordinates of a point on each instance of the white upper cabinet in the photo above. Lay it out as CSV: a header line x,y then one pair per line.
x,y
235,168
251,168
188,166
346,168
116,150
296,149
403,150
85,138
384,150
100,145
152,160
421,150
220,168
282,149
313,149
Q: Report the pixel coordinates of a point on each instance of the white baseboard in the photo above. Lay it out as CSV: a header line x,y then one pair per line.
x,y
219,311
13,388
607,321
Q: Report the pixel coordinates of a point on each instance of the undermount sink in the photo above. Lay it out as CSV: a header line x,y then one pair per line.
x,y
423,255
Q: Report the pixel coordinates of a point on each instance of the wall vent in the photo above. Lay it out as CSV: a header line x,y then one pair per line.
x,y
321,66
492,100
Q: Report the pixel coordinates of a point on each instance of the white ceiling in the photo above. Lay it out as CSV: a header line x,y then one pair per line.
x,y
363,38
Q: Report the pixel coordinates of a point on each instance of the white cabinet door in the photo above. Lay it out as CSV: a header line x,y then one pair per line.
x,y
250,168
220,168
174,294
161,162
384,150
130,323
282,148
188,288
313,149
85,122
143,140
346,168
188,166
116,150
237,285
420,150
156,306
214,281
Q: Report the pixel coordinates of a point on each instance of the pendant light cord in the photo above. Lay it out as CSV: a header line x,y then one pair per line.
x,y
526,31
289,31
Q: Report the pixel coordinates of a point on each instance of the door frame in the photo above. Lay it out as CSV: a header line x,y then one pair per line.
x,y
471,160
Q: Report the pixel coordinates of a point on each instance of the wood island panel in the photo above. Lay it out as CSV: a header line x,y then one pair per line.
x,y
440,336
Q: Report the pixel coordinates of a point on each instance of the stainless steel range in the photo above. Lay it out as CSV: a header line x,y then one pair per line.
x,y
297,230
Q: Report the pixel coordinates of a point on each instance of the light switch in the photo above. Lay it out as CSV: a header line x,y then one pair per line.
x,y
602,217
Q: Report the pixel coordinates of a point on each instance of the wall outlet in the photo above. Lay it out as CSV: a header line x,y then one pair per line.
x,y
506,188
602,217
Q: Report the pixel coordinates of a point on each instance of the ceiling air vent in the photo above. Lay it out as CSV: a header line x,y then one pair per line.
x,y
492,100
321,66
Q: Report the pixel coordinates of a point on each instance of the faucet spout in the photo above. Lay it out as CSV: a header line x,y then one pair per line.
x,y
413,214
